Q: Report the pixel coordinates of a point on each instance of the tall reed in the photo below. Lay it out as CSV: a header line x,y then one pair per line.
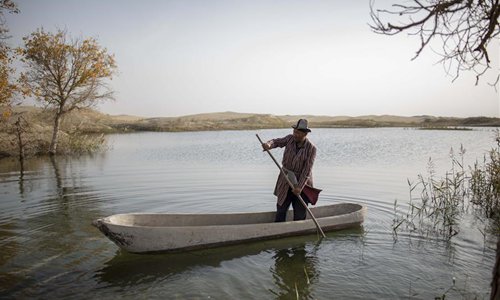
x,y
442,201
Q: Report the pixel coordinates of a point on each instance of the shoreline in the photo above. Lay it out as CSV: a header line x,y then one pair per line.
x,y
80,126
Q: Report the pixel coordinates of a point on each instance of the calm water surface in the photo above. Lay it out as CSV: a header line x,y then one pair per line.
x,y
49,248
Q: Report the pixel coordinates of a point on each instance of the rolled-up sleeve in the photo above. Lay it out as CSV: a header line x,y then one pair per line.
x,y
279,142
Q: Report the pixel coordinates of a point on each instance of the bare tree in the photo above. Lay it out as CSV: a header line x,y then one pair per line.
x,y
65,75
464,29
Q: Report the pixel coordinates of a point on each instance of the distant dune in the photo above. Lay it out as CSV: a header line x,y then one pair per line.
x,y
126,118
88,120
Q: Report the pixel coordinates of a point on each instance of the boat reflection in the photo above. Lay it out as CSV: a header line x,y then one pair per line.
x,y
126,269
294,258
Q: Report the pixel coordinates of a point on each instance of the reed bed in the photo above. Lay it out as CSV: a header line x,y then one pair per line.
x,y
441,201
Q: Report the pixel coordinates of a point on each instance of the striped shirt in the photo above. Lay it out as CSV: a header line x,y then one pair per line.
x,y
298,160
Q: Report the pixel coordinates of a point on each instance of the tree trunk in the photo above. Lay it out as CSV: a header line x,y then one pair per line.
x,y
20,144
55,134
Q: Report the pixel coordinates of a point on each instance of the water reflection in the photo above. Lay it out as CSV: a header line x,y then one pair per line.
x,y
151,268
11,170
126,269
47,233
48,249
10,248
21,181
294,272
57,177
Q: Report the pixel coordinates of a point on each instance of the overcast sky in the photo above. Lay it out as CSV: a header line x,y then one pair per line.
x,y
279,57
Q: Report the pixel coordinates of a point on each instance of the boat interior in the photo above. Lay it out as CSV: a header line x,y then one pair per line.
x,y
181,220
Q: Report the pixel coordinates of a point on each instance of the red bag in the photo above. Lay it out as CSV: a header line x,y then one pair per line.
x,y
311,193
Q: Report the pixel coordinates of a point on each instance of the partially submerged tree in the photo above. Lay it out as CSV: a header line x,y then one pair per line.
x,y
464,29
64,74
7,88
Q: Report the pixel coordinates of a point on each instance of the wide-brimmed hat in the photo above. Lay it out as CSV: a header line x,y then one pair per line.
x,y
302,125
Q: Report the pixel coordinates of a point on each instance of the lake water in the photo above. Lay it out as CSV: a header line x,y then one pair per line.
x,y
50,250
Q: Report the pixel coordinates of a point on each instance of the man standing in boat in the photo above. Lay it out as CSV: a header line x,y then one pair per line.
x,y
298,160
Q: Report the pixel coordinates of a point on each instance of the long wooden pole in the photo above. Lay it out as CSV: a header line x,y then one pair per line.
x,y
292,186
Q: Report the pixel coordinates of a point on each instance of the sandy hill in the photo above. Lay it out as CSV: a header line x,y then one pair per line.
x,y
89,120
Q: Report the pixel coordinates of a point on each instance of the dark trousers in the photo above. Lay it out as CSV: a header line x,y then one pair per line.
x,y
299,211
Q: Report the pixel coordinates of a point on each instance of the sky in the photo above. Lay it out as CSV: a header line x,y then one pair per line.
x,y
276,57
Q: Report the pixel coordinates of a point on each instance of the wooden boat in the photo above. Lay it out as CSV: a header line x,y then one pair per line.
x,y
145,232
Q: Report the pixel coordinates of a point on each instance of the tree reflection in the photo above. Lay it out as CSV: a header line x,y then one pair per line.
x,y
21,180
10,166
57,176
54,220
294,272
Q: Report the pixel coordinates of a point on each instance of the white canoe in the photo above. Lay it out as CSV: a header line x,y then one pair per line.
x,y
143,232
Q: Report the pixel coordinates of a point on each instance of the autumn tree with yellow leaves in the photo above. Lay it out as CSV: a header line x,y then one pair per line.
x,y
7,88
65,74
